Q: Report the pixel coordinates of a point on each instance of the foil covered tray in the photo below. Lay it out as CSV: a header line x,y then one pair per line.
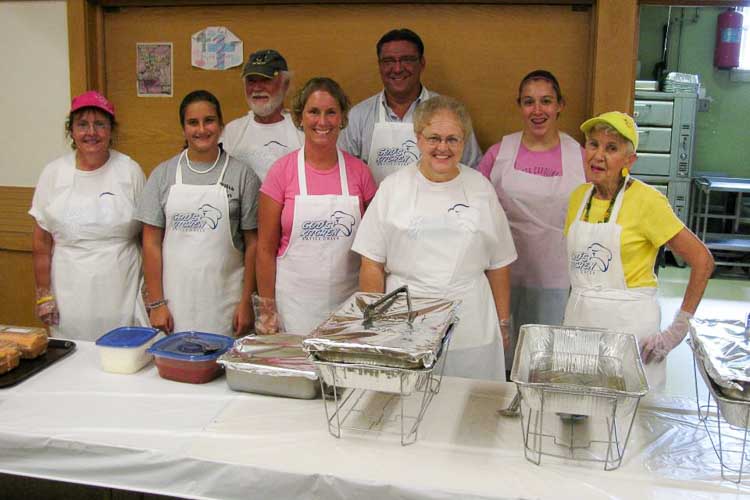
x,y
578,371
723,347
383,330
735,411
271,364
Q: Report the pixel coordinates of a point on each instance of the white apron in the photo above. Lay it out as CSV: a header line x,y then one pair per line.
x,y
444,256
393,144
318,271
600,297
262,156
96,260
203,271
536,208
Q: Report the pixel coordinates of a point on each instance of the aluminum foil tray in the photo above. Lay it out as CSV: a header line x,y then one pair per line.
x,y
372,378
723,349
735,412
579,371
271,364
387,339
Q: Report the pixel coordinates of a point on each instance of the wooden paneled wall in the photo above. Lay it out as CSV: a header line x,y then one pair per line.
x,y
476,53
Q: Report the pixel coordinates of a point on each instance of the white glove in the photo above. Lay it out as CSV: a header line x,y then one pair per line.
x,y
656,347
46,307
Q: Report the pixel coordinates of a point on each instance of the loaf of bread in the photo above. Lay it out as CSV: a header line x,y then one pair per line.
x,y
31,341
10,356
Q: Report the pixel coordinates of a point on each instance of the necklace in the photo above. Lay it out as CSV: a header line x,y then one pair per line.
x,y
608,213
189,166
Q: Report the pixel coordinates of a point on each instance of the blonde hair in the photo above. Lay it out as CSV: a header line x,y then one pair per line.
x,y
432,106
327,85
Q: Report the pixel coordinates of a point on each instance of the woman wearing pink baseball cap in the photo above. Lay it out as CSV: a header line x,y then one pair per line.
x,y
83,206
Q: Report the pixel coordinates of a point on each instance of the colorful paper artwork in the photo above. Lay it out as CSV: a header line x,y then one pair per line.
x,y
154,69
216,48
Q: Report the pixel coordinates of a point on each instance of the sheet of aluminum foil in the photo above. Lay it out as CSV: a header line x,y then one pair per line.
x,y
271,355
389,339
724,348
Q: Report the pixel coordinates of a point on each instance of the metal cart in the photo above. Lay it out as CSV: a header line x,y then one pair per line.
x,y
729,247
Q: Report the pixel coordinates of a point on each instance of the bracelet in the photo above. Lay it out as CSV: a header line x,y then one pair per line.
x,y
505,322
156,305
45,299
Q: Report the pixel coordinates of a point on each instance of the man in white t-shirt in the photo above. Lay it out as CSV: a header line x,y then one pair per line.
x,y
266,133
380,130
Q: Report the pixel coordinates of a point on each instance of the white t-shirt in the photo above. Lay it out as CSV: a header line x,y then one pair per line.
x,y
395,197
119,168
259,144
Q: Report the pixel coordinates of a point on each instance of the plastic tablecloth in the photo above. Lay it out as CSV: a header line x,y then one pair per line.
x,y
139,432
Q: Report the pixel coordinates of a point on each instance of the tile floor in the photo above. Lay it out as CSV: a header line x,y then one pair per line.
x,y
727,297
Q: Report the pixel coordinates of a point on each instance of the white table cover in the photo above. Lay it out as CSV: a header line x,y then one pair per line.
x,y
75,423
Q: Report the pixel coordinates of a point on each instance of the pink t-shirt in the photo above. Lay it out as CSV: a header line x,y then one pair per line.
x,y
282,185
543,163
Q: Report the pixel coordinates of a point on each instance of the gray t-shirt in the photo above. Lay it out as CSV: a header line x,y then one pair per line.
x,y
240,181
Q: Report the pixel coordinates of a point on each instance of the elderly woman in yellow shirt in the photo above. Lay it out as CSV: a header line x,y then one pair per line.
x,y
614,227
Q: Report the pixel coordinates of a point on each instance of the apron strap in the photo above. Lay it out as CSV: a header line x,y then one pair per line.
x,y
223,168
381,108
178,174
302,177
589,194
618,200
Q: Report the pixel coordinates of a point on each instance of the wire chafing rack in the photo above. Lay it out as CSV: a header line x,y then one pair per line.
x,y
727,423
377,398
580,390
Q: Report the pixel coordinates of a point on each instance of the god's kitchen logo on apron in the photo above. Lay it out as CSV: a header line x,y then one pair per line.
x,y
595,258
206,217
340,225
401,156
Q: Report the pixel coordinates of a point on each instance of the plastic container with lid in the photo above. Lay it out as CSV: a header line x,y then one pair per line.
x,y
190,356
123,350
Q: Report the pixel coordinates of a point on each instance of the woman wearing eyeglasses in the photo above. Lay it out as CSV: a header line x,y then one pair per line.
x,y
86,257
438,227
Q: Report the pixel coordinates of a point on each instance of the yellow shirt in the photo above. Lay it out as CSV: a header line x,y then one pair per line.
x,y
647,221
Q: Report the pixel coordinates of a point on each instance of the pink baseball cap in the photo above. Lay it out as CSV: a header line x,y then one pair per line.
x,y
92,99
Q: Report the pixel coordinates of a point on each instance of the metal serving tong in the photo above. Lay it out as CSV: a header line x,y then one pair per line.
x,y
378,308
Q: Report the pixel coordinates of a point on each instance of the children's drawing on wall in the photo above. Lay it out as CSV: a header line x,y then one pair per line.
x,y
154,69
216,48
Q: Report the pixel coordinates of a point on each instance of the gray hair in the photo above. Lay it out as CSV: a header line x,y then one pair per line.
x,y
610,130
429,108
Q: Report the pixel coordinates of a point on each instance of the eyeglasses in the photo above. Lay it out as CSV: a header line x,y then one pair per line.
x,y
389,62
84,126
451,141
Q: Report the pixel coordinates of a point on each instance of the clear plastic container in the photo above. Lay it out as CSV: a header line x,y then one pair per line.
x,y
190,356
123,350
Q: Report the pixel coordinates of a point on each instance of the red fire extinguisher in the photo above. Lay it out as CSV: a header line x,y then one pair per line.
x,y
728,37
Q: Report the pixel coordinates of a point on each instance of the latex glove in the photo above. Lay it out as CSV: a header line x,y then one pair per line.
x,y
656,347
267,320
48,313
47,310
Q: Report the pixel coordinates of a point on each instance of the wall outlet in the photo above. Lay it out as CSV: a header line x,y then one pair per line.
x,y
704,104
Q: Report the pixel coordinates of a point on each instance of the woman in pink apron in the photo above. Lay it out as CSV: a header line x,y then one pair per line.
x,y
533,172
87,260
615,226
311,204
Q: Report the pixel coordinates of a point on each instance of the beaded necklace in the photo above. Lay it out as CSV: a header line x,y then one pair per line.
x,y
608,213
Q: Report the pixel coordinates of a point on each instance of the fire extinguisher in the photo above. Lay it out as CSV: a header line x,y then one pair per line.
x,y
728,37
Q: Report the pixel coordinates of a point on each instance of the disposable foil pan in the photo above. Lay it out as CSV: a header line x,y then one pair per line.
x,y
724,351
271,364
395,336
579,371
735,412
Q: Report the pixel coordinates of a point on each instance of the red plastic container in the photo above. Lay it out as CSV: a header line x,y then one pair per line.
x,y
190,356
